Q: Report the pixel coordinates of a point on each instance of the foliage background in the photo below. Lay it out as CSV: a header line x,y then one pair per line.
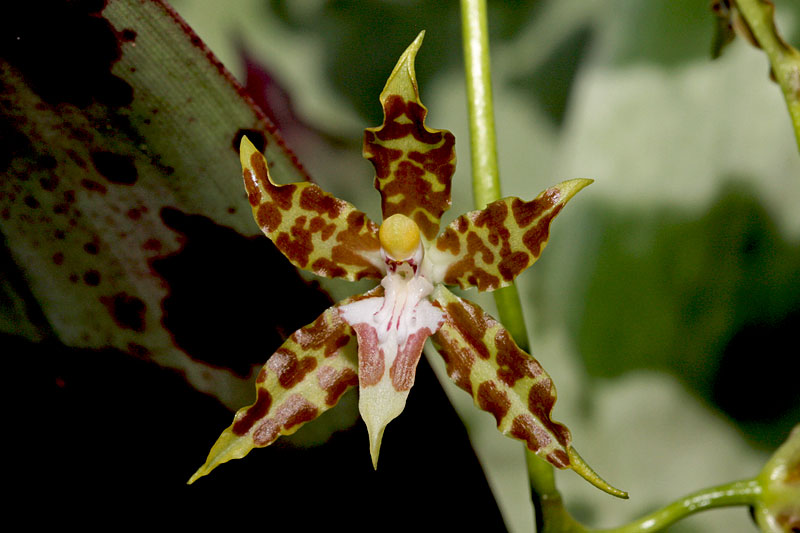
x,y
665,303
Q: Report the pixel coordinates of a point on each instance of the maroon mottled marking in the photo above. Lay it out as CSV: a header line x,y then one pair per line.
x,y
514,364
91,278
466,267
116,168
31,202
296,245
404,367
408,183
526,212
60,234
335,383
254,413
262,375
370,360
535,237
289,369
280,194
91,248
318,225
321,335
266,433
513,264
268,216
492,399
127,311
524,427
315,199
449,241
472,323
361,235
295,410
558,458
91,185
325,267
251,187
58,258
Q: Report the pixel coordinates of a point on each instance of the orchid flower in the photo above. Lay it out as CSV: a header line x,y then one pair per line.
x,y
375,340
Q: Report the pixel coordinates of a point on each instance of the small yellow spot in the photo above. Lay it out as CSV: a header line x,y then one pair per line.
x,y
399,237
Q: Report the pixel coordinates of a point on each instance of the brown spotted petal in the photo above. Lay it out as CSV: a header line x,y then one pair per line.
x,y
414,165
305,377
313,229
483,359
487,249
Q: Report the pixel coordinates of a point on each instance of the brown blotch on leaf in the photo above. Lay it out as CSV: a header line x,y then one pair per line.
x,y
254,413
127,311
524,427
91,185
91,278
490,398
251,187
116,168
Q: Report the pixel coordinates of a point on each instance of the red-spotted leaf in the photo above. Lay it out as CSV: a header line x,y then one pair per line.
x,y
305,377
487,249
313,229
121,200
483,359
414,165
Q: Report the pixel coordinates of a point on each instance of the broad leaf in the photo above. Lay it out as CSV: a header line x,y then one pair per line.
x,y
121,198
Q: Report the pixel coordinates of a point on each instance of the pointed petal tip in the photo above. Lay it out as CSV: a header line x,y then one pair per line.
x,y
585,471
246,151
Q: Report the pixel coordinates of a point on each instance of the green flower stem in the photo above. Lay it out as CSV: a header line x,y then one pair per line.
x,y
483,145
736,493
784,59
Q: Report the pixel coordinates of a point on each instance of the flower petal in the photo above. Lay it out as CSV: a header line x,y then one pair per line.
x,y
487,249
414,165
313,229
483,359
305,377
387,358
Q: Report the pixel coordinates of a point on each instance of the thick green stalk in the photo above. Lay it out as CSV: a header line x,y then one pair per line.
x,y
483,144
784,59
735,493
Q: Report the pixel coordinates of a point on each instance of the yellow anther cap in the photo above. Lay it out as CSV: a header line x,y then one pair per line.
x,y
399,237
